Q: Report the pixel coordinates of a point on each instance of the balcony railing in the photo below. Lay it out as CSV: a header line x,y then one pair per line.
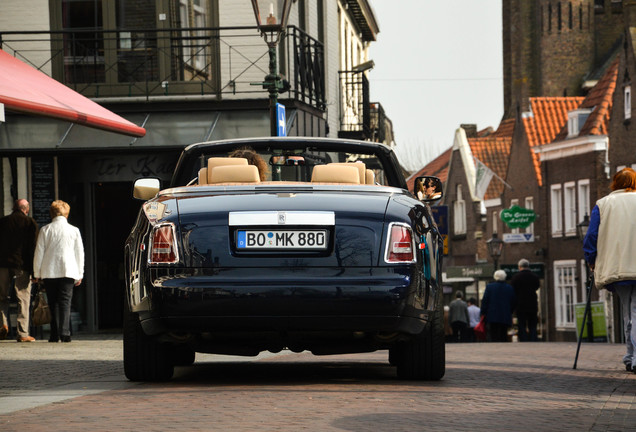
x,y
380,125
355,114
221,62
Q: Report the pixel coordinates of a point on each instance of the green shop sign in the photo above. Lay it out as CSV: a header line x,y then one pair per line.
x,y
518,217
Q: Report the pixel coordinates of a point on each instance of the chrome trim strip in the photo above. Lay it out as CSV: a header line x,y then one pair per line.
x,y
259,218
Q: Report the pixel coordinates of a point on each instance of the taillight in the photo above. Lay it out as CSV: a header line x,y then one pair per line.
x,y
163,246
400,247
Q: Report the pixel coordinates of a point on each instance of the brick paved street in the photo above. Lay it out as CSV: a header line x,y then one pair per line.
x,y
488,387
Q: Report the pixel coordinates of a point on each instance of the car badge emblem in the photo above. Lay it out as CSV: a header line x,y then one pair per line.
x,y
282,217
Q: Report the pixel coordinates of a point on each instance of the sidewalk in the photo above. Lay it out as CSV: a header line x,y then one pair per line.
x,y
488,387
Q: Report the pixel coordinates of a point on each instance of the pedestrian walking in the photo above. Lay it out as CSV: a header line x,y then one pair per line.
x,y
526,285
497,306
18,232
458,317
59,262
610,248
474,314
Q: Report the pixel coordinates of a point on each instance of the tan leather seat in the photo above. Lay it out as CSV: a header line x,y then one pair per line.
x,y
369,177
224,161
335,173
361,167
233,174
203,176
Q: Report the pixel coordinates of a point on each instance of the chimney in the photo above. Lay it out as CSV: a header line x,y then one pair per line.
x,y
470,129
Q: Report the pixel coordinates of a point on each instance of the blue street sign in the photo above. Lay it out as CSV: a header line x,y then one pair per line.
x,y
280,120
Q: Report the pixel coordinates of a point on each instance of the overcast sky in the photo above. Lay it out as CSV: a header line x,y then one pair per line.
x,y
438,64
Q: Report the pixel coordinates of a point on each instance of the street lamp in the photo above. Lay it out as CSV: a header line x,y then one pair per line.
x,y
581,227
271,29
495,247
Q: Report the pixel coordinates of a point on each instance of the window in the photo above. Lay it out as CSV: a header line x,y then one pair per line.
x,y
565,293
628,102
556,210
570,15
569,208
599,6
529,204
584,199
459,213
514,202
193,14
580,17
559,22
495,222
576,120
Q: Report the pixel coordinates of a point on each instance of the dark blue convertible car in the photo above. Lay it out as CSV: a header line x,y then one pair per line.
x,y
271,244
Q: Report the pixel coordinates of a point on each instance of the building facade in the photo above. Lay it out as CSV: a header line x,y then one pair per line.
x,y
185,70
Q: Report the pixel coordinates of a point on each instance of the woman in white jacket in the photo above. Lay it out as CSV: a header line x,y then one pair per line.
x,y
59,263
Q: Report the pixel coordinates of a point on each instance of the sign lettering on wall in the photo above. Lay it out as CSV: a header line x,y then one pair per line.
x,y
105,168
42,188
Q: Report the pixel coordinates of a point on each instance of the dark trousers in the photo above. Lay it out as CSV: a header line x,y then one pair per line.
x,y
59,293
496,332
459,331
527,322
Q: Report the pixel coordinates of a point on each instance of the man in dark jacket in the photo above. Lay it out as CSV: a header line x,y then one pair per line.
x,y
18,232
526,285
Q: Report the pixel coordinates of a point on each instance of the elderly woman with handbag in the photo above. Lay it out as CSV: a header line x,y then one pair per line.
x,y
59,263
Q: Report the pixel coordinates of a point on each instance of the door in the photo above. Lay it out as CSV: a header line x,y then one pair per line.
x,y
115,213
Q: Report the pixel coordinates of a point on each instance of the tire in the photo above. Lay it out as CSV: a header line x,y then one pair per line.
x,y
144,358
183,356
424,356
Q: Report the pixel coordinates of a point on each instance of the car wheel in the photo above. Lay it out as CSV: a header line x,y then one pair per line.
x,y
144,358
424,356
183,356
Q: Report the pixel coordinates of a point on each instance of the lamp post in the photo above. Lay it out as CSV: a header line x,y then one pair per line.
x,y
495,247
271,30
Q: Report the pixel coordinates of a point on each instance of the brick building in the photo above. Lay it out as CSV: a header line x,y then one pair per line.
x,y
575,174
555,48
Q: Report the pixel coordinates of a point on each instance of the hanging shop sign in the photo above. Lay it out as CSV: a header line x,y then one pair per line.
x,y
518,217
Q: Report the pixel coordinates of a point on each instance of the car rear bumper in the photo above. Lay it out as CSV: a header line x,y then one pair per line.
x,y
386,299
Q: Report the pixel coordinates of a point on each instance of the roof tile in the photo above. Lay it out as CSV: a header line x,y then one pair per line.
x,y
547,117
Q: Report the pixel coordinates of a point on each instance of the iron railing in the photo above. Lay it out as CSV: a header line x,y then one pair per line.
x,y
355,114
219,62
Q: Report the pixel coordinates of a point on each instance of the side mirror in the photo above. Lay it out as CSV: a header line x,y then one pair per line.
x,y
146,188
428,189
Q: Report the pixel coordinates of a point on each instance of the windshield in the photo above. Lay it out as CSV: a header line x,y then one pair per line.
x,y
288,164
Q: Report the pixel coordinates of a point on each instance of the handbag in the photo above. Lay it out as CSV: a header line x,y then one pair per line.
x,y
480,329
41,314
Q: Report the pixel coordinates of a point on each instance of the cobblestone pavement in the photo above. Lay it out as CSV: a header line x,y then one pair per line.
x,y
488,387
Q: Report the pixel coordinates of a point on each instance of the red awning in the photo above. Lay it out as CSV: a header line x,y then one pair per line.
x,y
25,89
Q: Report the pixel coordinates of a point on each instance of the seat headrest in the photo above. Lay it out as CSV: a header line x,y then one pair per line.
x,y
360,166
233,174
335,173
224,161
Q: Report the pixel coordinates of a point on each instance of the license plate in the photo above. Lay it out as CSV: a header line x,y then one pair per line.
x,y
282,239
